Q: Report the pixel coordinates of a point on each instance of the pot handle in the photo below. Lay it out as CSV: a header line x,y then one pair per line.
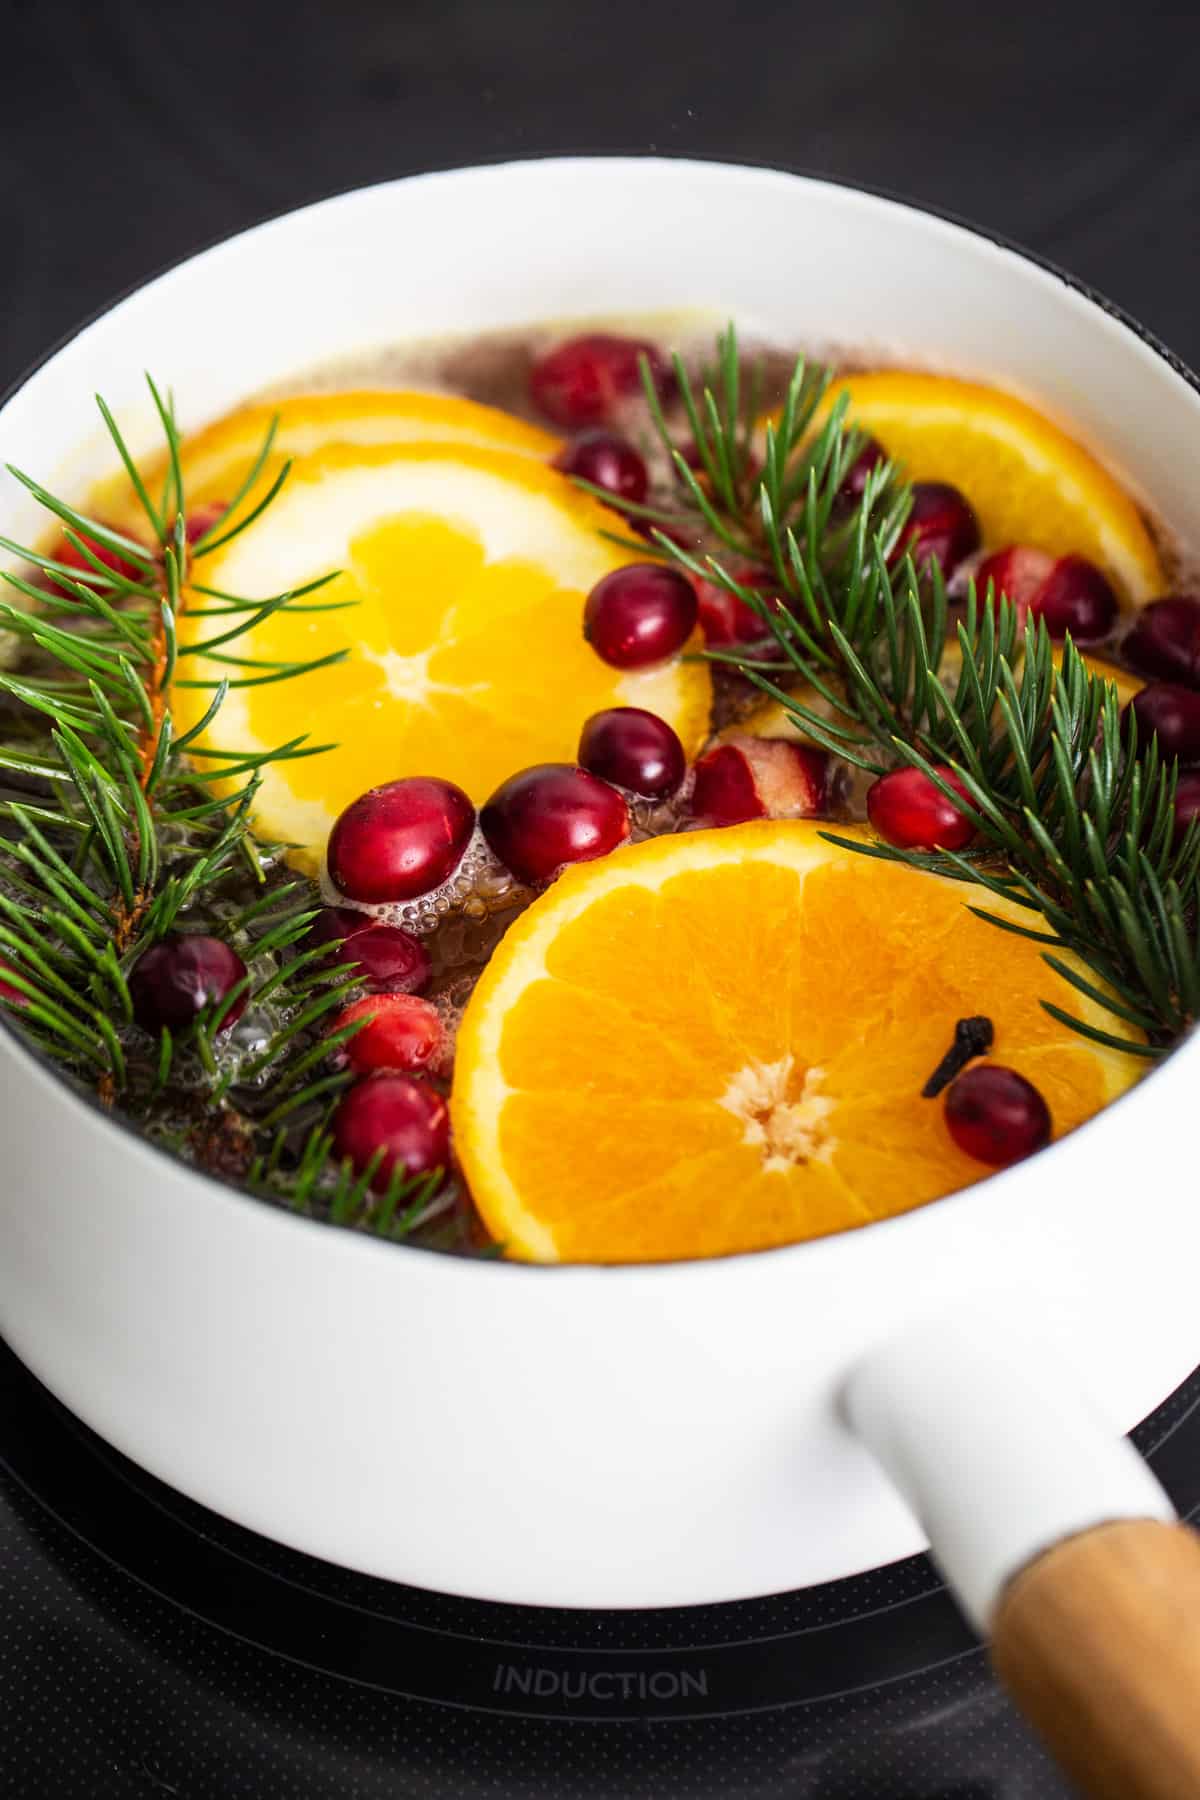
x,y
1059,1544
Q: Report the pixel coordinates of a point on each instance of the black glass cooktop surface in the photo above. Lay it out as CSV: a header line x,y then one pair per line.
x,y
150,1648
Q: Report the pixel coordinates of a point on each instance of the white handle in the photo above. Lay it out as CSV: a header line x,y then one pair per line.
x,y
994,1448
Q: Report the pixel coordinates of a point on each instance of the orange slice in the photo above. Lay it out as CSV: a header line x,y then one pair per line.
x,y
1029,482
716,1042
468,569
216,460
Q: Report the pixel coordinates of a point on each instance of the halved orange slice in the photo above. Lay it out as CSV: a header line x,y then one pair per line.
x,y
1028,481
216,460
717,1042
468,569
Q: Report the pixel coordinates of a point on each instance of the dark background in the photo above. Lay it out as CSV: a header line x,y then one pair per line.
x,y
132,133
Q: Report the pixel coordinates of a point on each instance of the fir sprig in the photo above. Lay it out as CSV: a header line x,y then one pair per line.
x,y
1071,821
111,834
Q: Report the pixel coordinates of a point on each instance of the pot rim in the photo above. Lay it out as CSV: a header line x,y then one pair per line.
x,y
486,1268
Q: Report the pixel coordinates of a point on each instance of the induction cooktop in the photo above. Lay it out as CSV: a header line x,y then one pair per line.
x,y
150,1648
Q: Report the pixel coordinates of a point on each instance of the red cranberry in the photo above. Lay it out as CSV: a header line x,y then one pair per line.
x,y
760,778
178,977
724,619
65,552
854,483
640,614
1187,800
406,1119
1165,640
202,519
402,1033
995,1115
1076,598
583,381
608,461
1170,712
1018,572
12,995
388,958
550,815
1068,592
907,810
400,840
941,526
634,749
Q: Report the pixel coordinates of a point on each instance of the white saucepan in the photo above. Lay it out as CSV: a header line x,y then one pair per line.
x,y
672,1434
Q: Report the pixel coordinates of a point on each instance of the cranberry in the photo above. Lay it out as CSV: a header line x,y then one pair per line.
x,y
1076,598
854,483
388,958
178,977
907,810
608,461
400,840
724,619
1017,572
582,381
1165,640
12,995
406,1119
633,748
201,521
1068,592
941,527
65,552
995,1115
1170,712
760,778
640,614
401,1033
1187,800
550,815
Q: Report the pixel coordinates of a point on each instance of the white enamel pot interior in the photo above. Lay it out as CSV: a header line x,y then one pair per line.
x,y
589,1436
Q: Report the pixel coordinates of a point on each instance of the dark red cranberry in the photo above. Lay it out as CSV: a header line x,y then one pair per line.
x,y
1187,800
1076,598
941,526
65,552
640,614
634,749
760,778
1068,592
996,1116
406,1119
201,520
1165,640
178,977
401,1033
907,810
583,381
389,959
854,484
608,461
553,814
1170,712
400,840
